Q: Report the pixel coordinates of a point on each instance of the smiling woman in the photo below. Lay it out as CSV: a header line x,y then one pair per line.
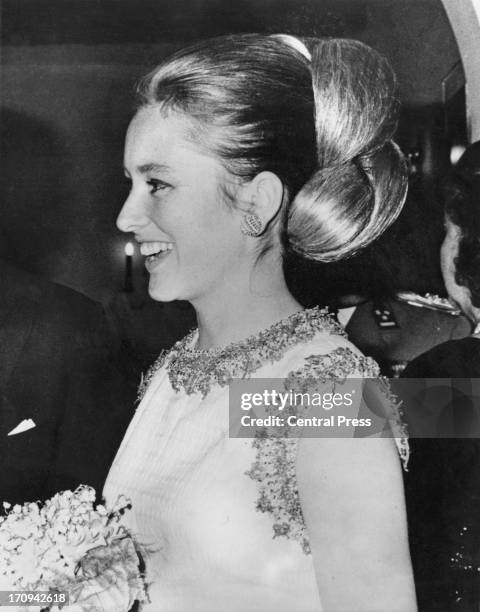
x,y
243,149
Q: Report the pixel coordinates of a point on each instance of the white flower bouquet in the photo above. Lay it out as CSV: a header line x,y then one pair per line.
x,y
67,545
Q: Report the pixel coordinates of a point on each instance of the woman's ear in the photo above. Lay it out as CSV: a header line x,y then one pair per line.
x,y
262,196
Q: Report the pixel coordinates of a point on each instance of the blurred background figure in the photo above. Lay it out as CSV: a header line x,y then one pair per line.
x,y
407,312
443,483
460,264
67,383
66,396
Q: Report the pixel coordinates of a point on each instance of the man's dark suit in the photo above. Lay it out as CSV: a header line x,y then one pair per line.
x,y
60,368
416,331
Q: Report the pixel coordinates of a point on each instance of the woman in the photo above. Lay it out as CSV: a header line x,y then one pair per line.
x,y
443,483
242,148
459,259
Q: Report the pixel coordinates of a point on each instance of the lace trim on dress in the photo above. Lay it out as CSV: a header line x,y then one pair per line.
x,y
197,371
338,365
275,466
275,472
343,363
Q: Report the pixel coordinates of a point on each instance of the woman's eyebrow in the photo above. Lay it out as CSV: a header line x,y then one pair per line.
x,y
152,167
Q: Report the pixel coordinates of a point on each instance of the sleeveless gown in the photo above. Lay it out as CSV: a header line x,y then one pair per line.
x,y
220,516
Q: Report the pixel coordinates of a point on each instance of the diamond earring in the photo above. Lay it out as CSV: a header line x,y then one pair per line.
x,y
252,225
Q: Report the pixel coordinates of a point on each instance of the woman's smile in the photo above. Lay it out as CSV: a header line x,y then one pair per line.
x,y
155,253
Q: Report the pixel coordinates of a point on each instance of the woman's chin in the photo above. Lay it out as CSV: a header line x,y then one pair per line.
x,y
162,293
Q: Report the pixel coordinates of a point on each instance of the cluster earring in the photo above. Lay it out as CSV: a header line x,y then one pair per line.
x,y
252,225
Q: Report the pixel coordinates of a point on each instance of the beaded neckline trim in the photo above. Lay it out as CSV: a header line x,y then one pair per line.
x,y
197,370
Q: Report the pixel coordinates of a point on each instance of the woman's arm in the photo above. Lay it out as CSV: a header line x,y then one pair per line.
x,y
352,499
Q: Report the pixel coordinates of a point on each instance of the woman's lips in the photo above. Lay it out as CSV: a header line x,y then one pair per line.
x,y
155,253
153,261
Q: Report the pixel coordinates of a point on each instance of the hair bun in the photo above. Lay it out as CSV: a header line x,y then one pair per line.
x,y
361,181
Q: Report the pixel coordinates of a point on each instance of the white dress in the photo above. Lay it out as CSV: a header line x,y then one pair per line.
x,y
221,516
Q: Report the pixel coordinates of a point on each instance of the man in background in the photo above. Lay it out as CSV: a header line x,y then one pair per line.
x,y
66,395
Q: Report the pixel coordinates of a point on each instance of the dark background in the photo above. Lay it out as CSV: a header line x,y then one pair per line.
x,y
68,69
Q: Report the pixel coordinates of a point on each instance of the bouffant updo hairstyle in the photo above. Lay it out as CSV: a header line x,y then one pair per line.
x,y
461,198
322,123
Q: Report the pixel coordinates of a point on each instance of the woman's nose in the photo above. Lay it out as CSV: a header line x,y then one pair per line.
x,y
132,215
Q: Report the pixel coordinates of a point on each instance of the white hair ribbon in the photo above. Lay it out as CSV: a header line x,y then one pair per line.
x,y
296,43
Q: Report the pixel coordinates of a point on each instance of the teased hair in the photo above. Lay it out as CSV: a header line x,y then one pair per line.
x,y
324,127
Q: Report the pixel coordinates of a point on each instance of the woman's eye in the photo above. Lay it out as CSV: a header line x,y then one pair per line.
x,y
157,185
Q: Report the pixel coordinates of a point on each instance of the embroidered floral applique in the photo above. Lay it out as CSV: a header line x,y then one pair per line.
x,y
337,365
395,417
146,379
197,371
275,472
274,468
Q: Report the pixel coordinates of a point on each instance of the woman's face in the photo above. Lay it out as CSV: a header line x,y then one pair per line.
x,y
448,253
191,238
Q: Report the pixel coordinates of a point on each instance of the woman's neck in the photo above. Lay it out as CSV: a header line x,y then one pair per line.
x,y
242,310
218,329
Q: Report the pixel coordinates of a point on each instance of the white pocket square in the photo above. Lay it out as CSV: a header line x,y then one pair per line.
x,y
25,425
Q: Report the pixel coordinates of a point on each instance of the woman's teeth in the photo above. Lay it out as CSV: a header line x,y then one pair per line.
x,y
155,248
